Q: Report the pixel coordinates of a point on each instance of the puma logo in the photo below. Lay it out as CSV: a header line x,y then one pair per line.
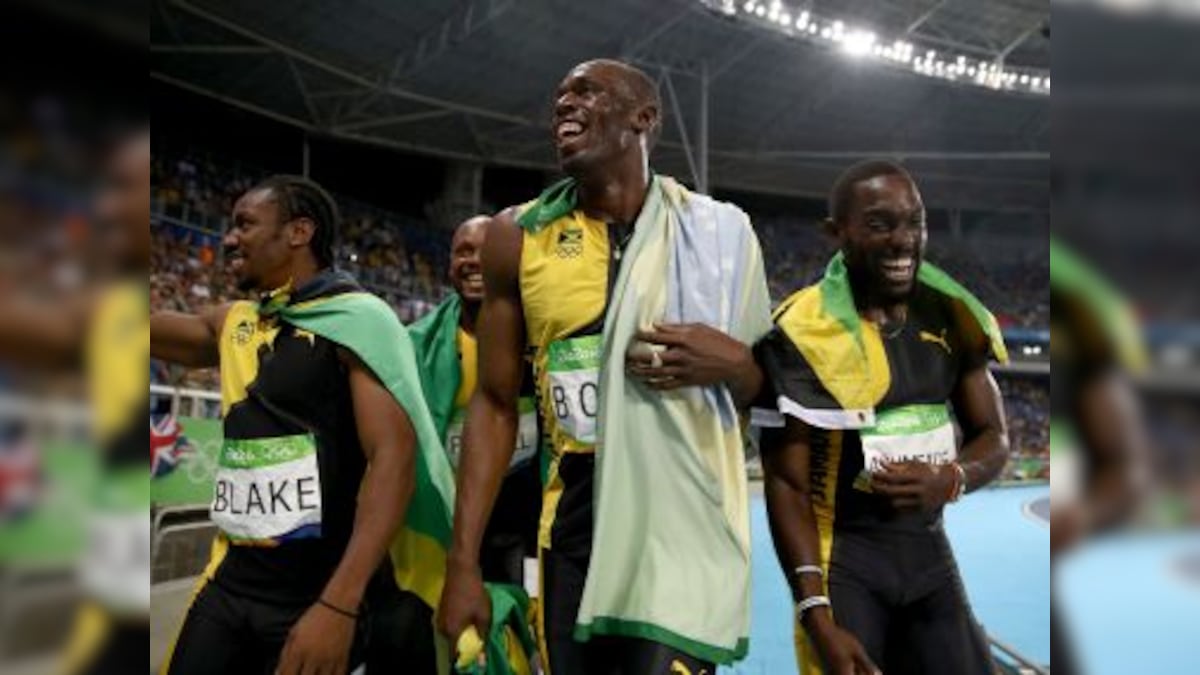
x,y
677,668
939,340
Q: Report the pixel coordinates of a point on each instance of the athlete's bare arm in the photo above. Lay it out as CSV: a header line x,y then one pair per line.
x,y
187,339
320,641
980,412
41,333
491,427
785,454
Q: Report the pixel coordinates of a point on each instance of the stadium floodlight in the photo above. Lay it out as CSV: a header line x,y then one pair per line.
x,y
858,42
799,21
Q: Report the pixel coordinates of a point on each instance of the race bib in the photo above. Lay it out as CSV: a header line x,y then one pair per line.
x,y
115,567
922,433
268,490
574,367
527,433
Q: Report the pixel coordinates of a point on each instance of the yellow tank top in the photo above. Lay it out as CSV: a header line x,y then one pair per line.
x,y
468,357
118,358
564,281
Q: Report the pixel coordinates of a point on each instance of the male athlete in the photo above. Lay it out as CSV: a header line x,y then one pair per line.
x,y
863,365
106,331
643,539
445,345
318,463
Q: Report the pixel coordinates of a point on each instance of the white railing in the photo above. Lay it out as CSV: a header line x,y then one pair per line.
x,y
189,402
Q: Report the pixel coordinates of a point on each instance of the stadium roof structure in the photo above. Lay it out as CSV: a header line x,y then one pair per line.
x,y
747,106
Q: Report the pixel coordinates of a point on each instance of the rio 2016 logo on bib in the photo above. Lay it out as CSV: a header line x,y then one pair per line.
x,y
574,367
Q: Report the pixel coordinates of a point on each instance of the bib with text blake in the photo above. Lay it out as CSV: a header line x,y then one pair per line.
x,y
574,368
527,433
268,490
921,432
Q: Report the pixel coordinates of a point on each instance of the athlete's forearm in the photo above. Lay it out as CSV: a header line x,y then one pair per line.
x,y
383,499
489,440
746,381
982,457
186,339
40,334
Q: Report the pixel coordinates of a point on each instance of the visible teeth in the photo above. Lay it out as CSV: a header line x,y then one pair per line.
x,y
570,128
475,278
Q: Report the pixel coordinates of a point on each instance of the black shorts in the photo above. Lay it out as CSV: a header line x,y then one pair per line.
x,y
901,595
227,634
562,578
122,650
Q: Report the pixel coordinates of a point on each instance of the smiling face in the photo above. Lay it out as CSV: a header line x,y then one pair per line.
x,y
598,115
259,247
883,236
466,263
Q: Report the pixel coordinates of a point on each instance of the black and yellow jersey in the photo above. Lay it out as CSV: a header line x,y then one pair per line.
x,y
926,358
291,464
567,271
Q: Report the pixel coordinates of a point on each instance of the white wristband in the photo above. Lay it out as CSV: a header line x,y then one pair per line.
x,y
809,603
809,569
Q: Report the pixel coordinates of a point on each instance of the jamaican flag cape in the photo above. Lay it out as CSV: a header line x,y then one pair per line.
x,y
510,642
836,371
1091,330
368,327
434,338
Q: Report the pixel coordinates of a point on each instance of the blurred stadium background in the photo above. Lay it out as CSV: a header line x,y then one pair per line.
x,y
420,113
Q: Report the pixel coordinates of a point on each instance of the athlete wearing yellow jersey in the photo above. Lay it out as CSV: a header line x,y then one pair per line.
x,y
855,485
107,331
548,292
317,467
446,347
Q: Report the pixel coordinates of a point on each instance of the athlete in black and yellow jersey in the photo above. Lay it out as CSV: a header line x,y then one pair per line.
x,y
548,293
106,331
447,353
317,465
863,365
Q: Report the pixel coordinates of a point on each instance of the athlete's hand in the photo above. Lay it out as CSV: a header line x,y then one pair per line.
x,y
464,602
842,653
914,485
319,644
695,354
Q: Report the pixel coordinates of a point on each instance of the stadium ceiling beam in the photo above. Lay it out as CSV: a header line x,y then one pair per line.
x,y
347,75
233,101
393,120
215,50
632,47
1018,41
925,16
301,86
688,152
728,62
455,28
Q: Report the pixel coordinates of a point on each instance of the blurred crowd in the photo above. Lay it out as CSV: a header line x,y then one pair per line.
x,y
1027,409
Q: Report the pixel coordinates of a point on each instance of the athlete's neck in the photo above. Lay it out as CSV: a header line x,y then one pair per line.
x,y
470,313
615,194
297,273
